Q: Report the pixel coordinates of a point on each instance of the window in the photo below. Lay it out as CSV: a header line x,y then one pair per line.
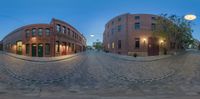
x,y
69,31
27,33
47,31
33,32
63,30
40,32
137,17
112,22
47,49
57,47
27,49
137,42
73,46
119,28
58,28
137,26
108,45
119,44
153,18
153,26
119,19
112,31
113,45
73,35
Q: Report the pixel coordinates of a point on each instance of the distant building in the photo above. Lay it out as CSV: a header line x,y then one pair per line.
x,y
45,40
131,34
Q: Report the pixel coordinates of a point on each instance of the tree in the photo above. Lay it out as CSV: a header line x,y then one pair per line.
x,y
98,45
174,29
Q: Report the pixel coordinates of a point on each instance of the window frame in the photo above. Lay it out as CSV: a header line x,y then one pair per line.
x,y
137,43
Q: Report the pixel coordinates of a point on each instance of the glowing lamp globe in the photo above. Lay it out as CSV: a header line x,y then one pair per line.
x,y
190,17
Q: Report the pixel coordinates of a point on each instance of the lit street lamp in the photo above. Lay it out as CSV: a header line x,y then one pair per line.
x,y
190,17
91,35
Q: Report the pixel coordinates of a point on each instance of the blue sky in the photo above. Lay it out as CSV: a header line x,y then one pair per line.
x,y
88,16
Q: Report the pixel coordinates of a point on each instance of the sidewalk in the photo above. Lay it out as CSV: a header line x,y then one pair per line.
x,y
40,59
139,59
97,97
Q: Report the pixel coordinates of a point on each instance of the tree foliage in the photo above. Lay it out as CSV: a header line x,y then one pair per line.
x,y
174,29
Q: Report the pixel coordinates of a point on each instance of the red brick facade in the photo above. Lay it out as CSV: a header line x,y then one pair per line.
x,y
45,40
130,34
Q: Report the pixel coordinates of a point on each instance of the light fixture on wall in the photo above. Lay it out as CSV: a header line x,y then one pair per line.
x,y
144,40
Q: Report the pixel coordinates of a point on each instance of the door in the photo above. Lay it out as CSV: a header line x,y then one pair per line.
x,y
64,48
153,46
40,50
19,47
34,50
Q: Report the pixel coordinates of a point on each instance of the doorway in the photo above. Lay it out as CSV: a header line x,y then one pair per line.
x,y
40,50
34,50
64,48
153,46
19,47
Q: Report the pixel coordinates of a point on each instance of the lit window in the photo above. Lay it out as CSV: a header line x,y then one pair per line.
x,y
57,47
19,47
40,32
137,42
113,45
137,26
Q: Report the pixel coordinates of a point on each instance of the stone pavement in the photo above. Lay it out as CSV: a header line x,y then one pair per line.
x,y
97,75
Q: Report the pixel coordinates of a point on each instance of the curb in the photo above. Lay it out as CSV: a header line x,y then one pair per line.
x,y
50,60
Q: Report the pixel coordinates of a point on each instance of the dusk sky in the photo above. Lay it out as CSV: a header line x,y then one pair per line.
x,y
88,16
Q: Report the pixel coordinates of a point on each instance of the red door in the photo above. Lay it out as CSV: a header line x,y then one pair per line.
x,y
153,46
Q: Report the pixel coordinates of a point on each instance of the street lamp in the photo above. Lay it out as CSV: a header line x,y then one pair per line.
x,y
91,35
190,17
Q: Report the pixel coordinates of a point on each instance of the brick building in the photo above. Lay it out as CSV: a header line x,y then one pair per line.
x,y
1,45
130,34
45,40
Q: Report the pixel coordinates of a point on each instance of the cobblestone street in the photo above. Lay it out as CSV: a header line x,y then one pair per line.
x,y
97,74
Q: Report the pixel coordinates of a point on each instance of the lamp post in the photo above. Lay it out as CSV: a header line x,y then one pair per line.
x,y
191,17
